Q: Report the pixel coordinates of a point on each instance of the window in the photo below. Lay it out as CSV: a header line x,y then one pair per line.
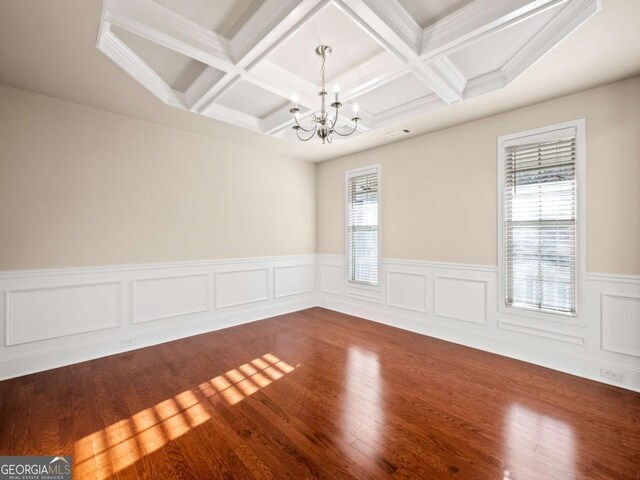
x,y
540,254
363,195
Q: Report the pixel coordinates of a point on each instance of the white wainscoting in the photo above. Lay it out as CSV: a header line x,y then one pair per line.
x,y
459,303
57,317
52,318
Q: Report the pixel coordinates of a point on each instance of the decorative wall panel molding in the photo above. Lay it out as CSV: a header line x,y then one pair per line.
x,y
293,280
35,314
621,323
461,299
191,58
407,290
331,278
241,287
166,297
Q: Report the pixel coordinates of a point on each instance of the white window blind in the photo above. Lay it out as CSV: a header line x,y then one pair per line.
x,y
362,226
539,221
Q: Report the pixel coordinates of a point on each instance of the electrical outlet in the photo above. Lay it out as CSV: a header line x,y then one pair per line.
x,y
611,373
126,342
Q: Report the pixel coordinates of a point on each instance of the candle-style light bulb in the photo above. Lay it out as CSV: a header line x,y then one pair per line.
x,y
336,91
355,108
294,99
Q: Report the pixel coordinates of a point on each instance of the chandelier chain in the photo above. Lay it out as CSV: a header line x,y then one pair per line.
x,y
323,92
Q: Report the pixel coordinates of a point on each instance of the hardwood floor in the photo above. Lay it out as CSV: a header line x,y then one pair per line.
x,y
318,394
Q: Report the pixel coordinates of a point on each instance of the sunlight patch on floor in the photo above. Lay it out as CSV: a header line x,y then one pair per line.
x,y
123,443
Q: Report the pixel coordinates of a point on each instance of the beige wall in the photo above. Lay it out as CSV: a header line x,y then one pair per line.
x,y
439,190
80,186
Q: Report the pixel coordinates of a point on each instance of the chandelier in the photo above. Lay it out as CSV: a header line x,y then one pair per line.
x,y
323,124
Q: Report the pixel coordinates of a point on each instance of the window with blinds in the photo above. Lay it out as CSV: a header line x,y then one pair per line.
x,y
362,226
539,223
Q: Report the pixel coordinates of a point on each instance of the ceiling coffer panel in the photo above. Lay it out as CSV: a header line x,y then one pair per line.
x,y
243,61
252,100
330,26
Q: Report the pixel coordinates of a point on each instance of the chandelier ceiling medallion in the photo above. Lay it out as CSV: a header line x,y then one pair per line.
x,y
323,124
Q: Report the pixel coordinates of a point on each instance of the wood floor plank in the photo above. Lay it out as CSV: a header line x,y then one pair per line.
x,y
318,394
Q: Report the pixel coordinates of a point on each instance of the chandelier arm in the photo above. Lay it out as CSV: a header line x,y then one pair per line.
x,y
300,127
313,132
355,127
335,118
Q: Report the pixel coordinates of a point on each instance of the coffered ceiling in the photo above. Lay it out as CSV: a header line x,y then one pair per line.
x,y
242,61
395,74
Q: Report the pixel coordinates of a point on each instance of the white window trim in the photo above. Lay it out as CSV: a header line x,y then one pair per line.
x,y
581,231
347,175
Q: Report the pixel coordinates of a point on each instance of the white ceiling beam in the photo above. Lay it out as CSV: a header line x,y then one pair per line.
x,y
443,77
477,20
484,84
230,115
371,74
114,48
272,23
208,99
439,83
421,105
153,22
570,17
276,79
204,83
388,23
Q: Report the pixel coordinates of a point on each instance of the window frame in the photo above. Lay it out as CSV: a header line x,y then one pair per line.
x,y
347,176
581,204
